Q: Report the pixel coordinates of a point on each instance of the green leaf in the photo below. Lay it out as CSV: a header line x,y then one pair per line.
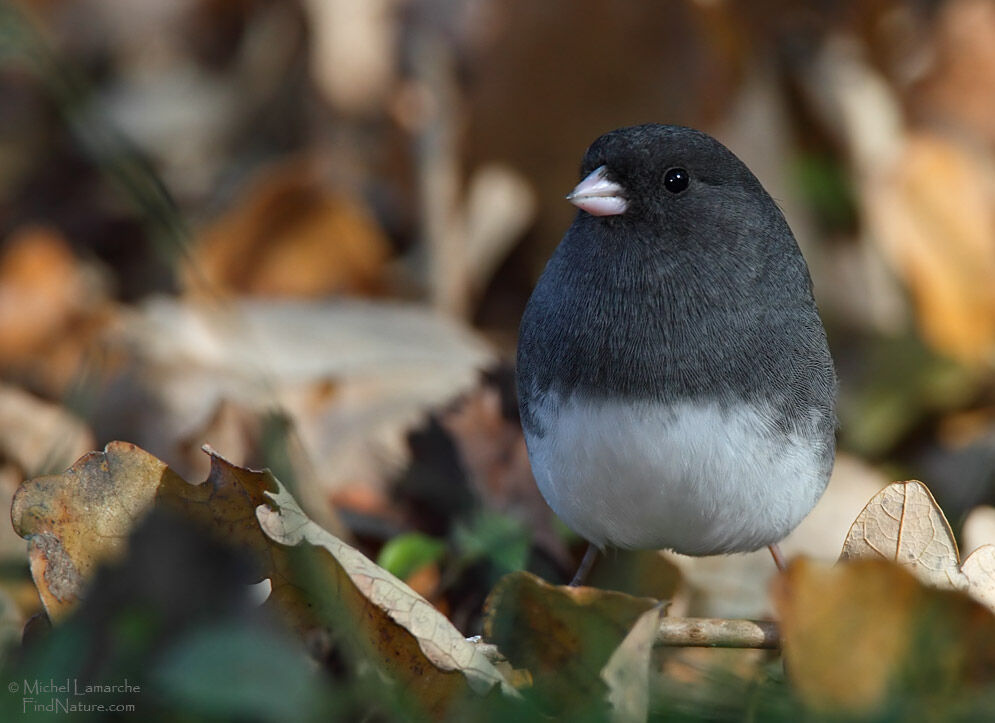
x,y
406,553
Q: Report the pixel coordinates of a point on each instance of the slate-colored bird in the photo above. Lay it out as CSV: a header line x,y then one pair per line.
x,y
675,384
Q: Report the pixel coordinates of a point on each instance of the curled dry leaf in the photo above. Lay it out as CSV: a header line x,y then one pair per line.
x,y
584,648
854,634
405,623
77,520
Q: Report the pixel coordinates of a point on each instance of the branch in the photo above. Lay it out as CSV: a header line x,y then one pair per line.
x,y
718,633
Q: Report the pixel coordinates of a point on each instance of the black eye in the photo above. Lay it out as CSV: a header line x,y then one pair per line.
x,y
676,180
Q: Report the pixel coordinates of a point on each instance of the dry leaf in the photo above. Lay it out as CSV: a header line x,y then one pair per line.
x,y
959,88
979,568
413,618
79,519
289,236
940,242
565,637
51,305
627,671
38,435
903,523
854,633
352,376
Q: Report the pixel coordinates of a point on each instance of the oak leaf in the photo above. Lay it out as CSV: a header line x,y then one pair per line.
x,y
77,520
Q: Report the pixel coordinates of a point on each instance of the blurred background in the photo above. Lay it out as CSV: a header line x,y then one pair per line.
x,y
303,232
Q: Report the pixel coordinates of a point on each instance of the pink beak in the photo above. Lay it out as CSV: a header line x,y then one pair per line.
x,y
599,196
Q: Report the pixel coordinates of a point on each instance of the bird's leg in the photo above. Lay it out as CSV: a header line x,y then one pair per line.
x,y
775,552
585,566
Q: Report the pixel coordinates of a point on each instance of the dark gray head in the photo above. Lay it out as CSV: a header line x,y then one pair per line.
x,y
679,190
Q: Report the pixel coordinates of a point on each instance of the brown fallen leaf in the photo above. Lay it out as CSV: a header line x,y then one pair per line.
x,y
51,306
79,519
566,637
855,633
76,520
290,236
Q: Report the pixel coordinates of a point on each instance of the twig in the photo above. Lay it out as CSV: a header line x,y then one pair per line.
x,y
691,633
718,633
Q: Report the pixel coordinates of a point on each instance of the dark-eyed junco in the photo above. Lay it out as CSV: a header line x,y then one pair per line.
x,y
675,384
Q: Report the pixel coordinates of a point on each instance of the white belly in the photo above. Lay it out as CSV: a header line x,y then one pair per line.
x,y
696,478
